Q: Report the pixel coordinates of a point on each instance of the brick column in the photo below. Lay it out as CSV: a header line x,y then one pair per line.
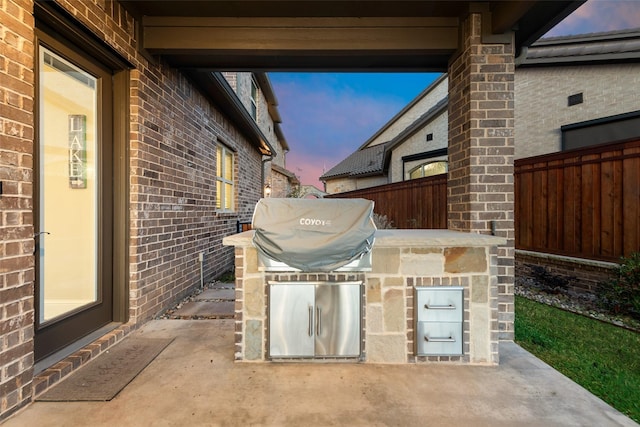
x,y
16,205
481,150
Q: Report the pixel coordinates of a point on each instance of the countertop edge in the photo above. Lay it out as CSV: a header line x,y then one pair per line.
x,y
402,238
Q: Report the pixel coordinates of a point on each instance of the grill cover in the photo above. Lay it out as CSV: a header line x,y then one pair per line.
x,y
314,234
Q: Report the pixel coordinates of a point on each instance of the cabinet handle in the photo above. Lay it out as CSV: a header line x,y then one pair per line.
x,y
318,320
310,331
440,307
442,339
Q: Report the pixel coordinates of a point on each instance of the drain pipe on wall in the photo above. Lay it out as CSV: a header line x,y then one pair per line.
x,y
201,262
265,159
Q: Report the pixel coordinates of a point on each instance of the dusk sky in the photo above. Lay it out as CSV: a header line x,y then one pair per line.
x,y
327,116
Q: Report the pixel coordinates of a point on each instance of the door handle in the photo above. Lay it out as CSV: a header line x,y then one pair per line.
x,y
310,330
36,238
318,320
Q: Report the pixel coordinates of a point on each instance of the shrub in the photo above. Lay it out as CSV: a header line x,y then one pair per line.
x,y
227,277
382,222
621,294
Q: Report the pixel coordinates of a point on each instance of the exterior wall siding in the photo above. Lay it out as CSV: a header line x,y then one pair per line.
x,y
608,90
173,133
436,94
340,185
418,143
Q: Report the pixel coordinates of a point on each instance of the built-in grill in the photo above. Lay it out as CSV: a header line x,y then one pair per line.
x,y
319,317
316,235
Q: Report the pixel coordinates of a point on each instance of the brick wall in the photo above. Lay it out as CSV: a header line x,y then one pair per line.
x,y
173,190
583,275
173,134
280,186
16,217
481,150
608,90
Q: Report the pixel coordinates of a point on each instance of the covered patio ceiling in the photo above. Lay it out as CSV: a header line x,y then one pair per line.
x,y
334,35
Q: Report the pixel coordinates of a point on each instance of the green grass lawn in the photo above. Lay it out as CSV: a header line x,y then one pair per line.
x,y
602,358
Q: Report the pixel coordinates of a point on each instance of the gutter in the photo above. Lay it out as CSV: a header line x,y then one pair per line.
x,y
217,89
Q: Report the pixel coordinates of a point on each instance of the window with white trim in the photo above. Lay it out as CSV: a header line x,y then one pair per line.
x,y
429,169
224,178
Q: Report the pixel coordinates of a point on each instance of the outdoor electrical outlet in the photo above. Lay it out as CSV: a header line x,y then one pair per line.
x,y
201,257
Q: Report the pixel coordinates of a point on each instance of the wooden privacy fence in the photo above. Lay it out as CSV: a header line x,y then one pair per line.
x,y
418,203
581,203
584,204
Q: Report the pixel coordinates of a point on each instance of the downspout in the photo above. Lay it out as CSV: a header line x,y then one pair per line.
x,y
522,56
265,159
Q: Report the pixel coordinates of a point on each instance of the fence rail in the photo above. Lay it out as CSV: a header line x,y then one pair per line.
x,y
584,204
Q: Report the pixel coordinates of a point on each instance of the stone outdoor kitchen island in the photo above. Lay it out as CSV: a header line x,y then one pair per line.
x,y
404,262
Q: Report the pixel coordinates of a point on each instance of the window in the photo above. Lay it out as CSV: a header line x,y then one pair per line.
x,y
224,179
429,169
254,100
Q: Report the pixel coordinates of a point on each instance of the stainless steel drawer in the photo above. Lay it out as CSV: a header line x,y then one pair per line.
x,y
439,304
439,338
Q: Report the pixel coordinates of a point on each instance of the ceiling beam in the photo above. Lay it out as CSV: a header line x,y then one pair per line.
x,y
172,34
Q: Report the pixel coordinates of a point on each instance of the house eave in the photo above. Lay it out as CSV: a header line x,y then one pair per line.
x,y
216,87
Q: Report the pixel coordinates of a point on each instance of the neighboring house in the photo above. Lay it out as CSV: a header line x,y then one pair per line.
x,y
577,91
570,92
420,127
256,93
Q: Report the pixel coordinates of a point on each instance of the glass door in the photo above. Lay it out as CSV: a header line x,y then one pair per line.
x,y
73,235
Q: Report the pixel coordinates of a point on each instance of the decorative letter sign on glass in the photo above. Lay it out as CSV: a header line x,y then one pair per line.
x,y
77,151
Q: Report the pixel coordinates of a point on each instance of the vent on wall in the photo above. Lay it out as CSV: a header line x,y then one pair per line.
x,y
575,99
429,137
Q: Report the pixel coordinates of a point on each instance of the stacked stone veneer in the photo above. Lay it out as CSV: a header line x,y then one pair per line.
x,y
402,260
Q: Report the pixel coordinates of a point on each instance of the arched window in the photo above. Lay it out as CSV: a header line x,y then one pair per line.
x,y
429,169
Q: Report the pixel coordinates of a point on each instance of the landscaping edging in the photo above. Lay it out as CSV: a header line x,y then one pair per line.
x,y
583,275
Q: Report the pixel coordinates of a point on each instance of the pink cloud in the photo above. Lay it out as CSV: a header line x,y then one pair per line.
x,y
308,167
324,124
599,16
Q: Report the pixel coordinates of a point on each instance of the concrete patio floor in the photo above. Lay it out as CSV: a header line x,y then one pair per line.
x,y
195,382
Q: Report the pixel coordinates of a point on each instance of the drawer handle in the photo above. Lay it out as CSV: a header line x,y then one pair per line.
x,y
443,339
440,307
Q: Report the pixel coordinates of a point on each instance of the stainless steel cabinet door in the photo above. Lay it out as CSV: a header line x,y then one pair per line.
x,y
337,312
291,320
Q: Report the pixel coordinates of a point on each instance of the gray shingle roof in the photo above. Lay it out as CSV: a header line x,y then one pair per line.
x,y
373,160
367,161
594,47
